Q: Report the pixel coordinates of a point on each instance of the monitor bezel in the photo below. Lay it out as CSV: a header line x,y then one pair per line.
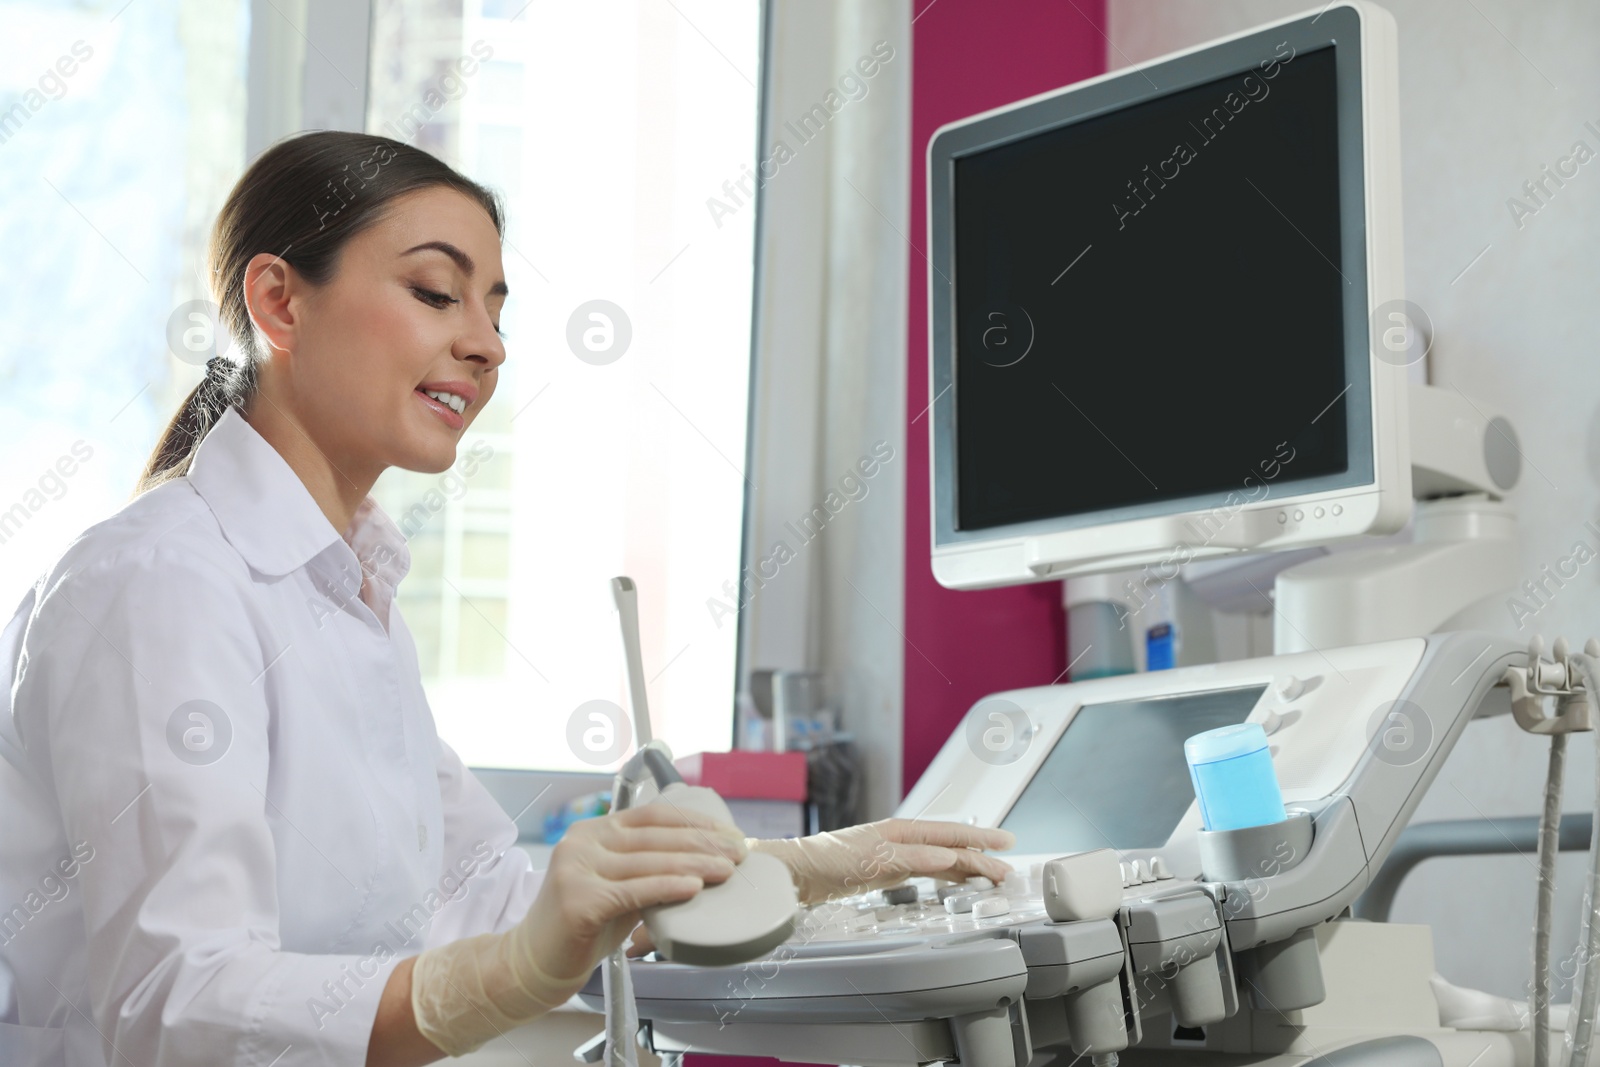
x,y
1373,494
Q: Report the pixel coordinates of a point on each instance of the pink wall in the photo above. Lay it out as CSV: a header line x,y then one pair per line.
x,y
968,56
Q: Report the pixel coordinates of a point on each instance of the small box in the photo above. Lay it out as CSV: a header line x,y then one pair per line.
x,y
747,775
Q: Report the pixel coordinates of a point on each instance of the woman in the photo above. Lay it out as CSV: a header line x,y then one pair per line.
x,y
233,834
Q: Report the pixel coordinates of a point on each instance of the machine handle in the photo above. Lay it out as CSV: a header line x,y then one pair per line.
x,y
1461,837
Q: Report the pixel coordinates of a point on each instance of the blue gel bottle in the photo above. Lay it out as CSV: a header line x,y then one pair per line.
x,y
1231,768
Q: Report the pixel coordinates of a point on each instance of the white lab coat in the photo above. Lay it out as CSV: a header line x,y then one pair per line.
x,y
224,812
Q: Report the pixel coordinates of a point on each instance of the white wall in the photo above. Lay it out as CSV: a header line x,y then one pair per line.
x,y
1490,91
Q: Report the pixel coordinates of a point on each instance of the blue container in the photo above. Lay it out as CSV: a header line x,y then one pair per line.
x,y
1233,778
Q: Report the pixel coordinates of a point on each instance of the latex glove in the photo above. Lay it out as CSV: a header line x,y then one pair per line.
x,y
602,872
876,855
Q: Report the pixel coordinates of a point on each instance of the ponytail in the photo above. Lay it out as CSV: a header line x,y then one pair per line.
x,y
229,385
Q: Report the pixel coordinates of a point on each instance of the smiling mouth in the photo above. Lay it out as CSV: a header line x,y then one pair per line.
x,y
444,410
452,401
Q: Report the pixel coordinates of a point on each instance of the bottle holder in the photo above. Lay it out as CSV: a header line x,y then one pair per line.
x,y
1255,851
1285,975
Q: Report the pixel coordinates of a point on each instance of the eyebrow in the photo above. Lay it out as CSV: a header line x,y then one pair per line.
x,y
462,260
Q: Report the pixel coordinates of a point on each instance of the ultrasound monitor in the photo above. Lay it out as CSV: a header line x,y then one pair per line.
x,y
1151,296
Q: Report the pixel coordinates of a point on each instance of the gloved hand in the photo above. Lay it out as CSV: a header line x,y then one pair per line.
x,y
876,855
603,871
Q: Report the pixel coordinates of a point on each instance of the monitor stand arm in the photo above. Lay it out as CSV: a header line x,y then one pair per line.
x,y
1464,459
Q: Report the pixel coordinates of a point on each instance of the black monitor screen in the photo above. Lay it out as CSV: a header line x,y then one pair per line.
x,y
1118,777
1149,303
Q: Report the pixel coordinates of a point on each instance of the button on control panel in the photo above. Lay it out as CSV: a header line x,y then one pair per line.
x,y
1079,886
900,894
1143,872
924,906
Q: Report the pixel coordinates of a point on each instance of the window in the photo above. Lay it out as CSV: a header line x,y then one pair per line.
x,y
619,134
121,132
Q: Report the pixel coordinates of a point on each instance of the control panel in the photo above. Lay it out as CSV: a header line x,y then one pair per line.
x,y
1122,909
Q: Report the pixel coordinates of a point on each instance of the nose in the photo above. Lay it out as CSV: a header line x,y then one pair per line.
x,y
481,344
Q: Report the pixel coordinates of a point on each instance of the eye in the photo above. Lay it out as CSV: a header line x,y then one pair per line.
x,y
433,299
498,330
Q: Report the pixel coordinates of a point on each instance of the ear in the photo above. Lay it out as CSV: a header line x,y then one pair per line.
x,y
270,286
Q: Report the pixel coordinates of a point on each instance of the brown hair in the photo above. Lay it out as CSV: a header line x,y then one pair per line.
x,y
303,199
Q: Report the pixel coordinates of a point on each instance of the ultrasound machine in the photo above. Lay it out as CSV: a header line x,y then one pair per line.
x,y
1168,326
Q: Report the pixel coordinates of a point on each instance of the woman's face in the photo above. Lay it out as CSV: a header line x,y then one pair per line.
x,y
413,307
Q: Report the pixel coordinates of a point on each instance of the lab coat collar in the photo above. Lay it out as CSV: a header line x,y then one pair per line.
x,y
379,545
269,516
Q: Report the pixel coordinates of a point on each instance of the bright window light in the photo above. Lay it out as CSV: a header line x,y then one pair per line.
x,y
122,128
616,441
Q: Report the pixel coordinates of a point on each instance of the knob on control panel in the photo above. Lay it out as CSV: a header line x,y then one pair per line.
x,y
900,894
987,907
961,903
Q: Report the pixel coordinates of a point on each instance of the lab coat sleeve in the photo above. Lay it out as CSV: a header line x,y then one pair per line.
x,y
180,898
480,844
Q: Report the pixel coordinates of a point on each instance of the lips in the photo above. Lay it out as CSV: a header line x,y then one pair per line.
x,y
466,390
451,419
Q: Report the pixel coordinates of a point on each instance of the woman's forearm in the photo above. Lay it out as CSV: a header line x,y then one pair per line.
x,y
396,1041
